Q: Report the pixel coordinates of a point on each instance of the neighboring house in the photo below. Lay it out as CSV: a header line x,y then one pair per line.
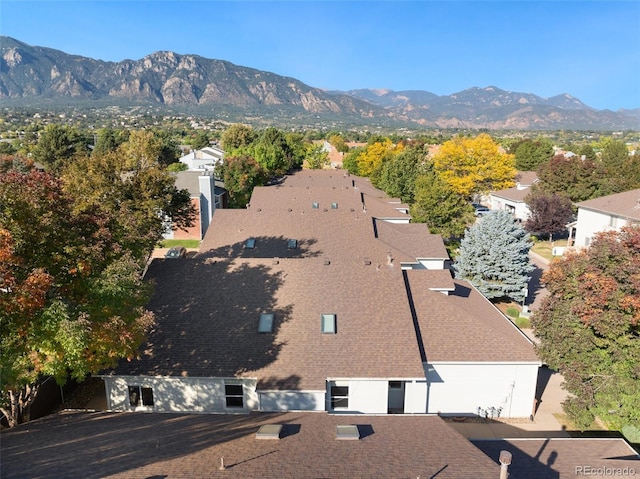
x,y
204,159
207,195
318,297
512,199
607,213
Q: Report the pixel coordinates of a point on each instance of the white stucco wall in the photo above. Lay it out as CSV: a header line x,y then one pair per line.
x,y
461,388
591,222
178,394
273,401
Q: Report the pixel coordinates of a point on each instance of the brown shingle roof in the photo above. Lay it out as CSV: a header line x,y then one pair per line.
x,y
413,239
626,205
559,458
464,325
124,445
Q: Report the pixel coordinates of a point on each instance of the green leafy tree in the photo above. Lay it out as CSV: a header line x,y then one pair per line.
x,y
72,298
443,210
587,152
57,145
529,153
474,166
241,175
237,136
617,171
350,161
317,157
399,174
573,177
200,140
108,140
589,329
549,212
272,152
138,191
494,257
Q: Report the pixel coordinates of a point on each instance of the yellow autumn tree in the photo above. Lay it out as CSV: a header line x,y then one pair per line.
x,y
474,165
371,159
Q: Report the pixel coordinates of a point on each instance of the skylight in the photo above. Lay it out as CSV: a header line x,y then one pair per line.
x,y
315,205
250,243
266,323
328,323
292,243
334,206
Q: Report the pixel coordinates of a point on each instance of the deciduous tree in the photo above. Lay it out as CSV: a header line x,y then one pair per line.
x,y
529,153
589,329
71,298
442,209
399,173
241,175
494,257
549,212
474,166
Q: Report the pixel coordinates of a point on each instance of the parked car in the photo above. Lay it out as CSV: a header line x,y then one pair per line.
x,y
176,252
480,209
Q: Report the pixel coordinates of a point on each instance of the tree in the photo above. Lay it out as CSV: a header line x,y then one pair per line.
x,y
71,298
338,143
474,166
570,176
616,171
241,175
200,140
57,145
549,212
372,158
494,257
317,157
237,136
350,161
134,189
442,209
108,140
529,153
272,152
589,329
399,173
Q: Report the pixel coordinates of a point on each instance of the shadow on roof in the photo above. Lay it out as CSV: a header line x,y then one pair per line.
x,y
266,247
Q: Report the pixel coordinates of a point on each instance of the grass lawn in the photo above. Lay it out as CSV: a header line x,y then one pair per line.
x,y
544,248
190,244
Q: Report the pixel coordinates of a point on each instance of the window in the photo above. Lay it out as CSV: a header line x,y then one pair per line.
x,y
140,396
250,243
234,395
292,243
395,384
339,396
328,323
266,323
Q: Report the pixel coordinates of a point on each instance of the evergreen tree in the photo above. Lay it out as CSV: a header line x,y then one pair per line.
x,y
494,257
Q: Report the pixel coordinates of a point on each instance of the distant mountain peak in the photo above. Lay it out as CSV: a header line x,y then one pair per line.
x,y
29,75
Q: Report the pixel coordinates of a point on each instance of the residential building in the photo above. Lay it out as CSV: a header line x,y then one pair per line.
x,y
321,296
607,213
204,159
513,199
207,195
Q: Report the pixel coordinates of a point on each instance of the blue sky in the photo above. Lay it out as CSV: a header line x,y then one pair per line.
x,y
589,49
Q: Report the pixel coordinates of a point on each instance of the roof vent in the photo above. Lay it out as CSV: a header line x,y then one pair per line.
x,y
367,261
289,210
327,262
347,432
269,431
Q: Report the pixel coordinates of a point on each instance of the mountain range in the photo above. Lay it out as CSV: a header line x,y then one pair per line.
x,y
40,76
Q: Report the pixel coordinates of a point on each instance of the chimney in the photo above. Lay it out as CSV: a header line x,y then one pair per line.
x,y
207,202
